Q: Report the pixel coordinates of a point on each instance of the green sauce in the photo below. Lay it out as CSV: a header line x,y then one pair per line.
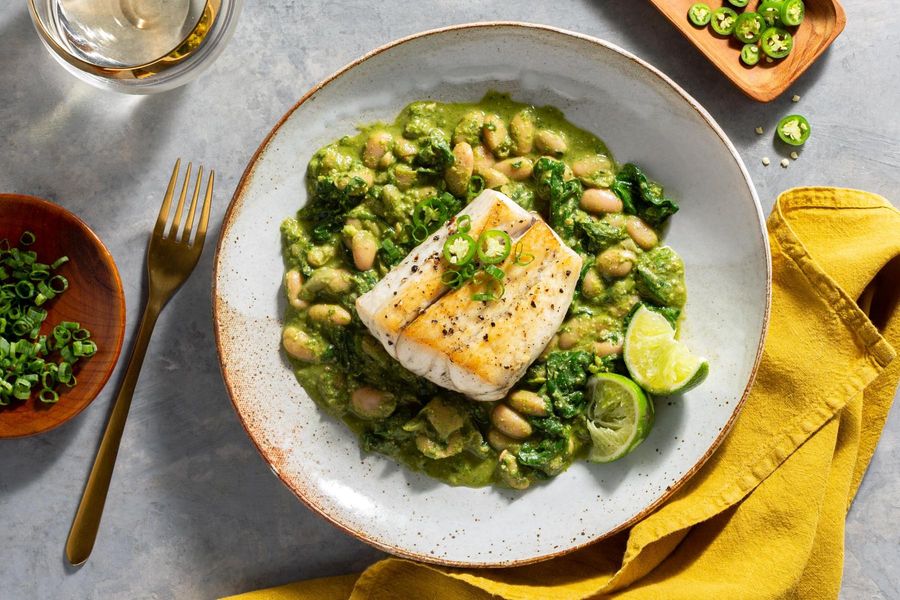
x,y
366,186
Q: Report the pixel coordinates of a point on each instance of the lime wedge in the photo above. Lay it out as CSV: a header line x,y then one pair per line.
x,y
656,360
619,416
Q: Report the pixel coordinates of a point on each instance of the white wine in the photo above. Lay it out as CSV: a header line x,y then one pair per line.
x,y
123,34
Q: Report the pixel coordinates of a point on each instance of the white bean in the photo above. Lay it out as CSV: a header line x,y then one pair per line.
x,y
606,348
469,127
364,247
499,441
459,173
521,130
404,176
592,285
405,150
293,284
319,255
494,178
567,340
550,142
642,234
336,281
595,170
510,422
509,471
369,403
600,200
496,136
528,403
298,344
387,160
377,146
329,313
616,262
517,169
483,158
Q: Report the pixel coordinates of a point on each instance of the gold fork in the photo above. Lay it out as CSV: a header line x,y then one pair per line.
x,y
170,261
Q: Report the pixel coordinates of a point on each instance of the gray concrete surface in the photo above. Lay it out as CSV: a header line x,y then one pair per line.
x,y
193,511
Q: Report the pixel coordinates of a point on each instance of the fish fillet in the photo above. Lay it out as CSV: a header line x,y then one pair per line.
x,y
481,349
414,284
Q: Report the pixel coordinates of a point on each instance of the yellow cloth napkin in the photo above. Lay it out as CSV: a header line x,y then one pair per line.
x,y
764,518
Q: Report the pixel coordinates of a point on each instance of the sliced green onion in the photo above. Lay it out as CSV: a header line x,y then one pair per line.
x,y
494,272
419,233
24,289
61,335
48,396
22,326
39,272
21,389
64,374
27,257
491,295
30,362
464,224
48,378
476,185
59,262
58,284
521,258
452,278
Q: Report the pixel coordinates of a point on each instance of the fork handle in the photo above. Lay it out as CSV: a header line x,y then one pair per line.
x,y
90,510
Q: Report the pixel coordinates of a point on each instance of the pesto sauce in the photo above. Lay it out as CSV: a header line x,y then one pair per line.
x,y
349,357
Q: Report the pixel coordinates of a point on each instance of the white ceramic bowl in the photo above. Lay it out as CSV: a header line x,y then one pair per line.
x,y
644,117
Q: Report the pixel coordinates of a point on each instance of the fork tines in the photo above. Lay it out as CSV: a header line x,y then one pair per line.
x,y
172,235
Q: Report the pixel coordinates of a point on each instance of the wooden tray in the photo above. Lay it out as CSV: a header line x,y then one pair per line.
x,y
824,21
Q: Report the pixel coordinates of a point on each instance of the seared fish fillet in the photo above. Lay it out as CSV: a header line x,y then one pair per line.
x,y
415,283
481,349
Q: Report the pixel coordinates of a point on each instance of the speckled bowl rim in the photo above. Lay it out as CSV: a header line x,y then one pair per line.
x,y
238,199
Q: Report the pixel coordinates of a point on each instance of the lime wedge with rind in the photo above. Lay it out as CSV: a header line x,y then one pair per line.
x,y
657,361
619,416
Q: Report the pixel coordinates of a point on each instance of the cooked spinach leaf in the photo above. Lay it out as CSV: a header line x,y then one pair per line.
x,y
671,314
643,197
567,373
550,424
391,253
541,454
600,234
329,202
435,153
660,277
371,363
563,196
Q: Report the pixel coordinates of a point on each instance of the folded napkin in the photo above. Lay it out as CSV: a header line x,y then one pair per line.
x,y
764,518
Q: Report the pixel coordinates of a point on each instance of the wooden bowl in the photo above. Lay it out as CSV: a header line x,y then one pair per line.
x,y
94,299
824,21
